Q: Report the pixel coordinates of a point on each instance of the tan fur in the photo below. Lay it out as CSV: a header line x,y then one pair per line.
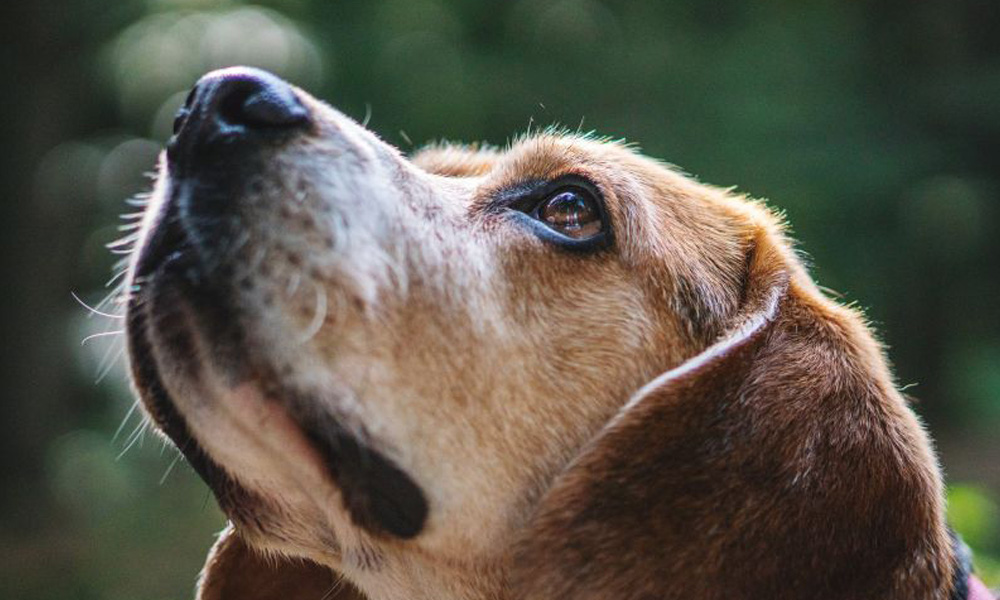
x,y
775,460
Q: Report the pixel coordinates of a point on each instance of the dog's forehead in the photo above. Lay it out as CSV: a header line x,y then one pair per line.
x,y
612,167
550,156
543,156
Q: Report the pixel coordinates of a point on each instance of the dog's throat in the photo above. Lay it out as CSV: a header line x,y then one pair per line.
x,y
378,495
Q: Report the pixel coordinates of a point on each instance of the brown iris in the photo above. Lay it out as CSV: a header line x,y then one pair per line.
x,y
572,212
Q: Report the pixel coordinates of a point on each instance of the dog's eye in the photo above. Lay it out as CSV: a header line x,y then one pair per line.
x,y
568,212
573,212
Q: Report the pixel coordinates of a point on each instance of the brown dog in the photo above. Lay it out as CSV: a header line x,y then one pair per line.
x,y
562,370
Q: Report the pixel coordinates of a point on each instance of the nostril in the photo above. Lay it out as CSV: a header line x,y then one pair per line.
x,y
180,119
258,101
189,100
269,108
234,102
182,113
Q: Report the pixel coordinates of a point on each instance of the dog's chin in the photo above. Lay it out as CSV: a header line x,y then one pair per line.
x,y
255,441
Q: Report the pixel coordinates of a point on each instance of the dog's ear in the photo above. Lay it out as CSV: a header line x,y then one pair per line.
x,y
234,571
778,463
456,160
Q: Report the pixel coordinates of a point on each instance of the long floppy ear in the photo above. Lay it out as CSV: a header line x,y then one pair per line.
x,y
234,571
778,463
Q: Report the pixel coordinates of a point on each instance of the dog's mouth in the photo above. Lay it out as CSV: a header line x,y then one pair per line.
x,y
183,313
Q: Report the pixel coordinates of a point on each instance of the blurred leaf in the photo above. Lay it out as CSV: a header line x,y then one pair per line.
x,y
976,517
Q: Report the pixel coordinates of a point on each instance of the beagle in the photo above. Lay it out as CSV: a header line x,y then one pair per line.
x,y
558,370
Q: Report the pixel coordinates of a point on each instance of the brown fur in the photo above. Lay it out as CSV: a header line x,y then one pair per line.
x,y
520,386
780,468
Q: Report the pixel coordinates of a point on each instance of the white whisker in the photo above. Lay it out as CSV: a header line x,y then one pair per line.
x,y
124,241
121,273
235,247
93,310
133,437
111,295
100,335
111,356
128,415
319,317
293,283
173,463
258,259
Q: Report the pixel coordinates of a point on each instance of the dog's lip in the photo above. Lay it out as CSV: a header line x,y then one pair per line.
x,y
167,240
326,461
170,277
158,404
254,411
379,496
244,404
327,464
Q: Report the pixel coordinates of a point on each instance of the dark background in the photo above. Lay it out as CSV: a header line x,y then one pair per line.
x,y
873,124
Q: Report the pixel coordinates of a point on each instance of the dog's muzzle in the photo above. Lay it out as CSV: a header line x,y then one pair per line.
x,y
184,295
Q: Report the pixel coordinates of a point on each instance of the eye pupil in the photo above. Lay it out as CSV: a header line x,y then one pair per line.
x,y
572,213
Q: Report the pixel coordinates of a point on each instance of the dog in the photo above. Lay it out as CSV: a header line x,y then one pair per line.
x,y
556,370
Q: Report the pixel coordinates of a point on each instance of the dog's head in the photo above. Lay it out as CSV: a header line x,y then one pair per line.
x,y
557,370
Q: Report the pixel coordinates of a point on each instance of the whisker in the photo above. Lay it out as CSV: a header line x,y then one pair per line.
x,y
128,415
111,295
111,356
258,259
93,310
100,335
173,464
319,317
337,586
126,241
293,283
241,241
121,273
132,439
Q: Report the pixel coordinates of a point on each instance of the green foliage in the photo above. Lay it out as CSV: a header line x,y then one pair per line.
x,y
976,517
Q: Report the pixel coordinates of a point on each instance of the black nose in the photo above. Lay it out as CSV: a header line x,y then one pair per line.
x,y
235,102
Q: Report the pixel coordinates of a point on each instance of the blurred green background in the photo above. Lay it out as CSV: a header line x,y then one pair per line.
x,y
874,124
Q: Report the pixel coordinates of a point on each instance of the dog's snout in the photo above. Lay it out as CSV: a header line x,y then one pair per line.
x,y
239,101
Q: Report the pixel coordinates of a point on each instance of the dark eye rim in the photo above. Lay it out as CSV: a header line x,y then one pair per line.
x,y
523,203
